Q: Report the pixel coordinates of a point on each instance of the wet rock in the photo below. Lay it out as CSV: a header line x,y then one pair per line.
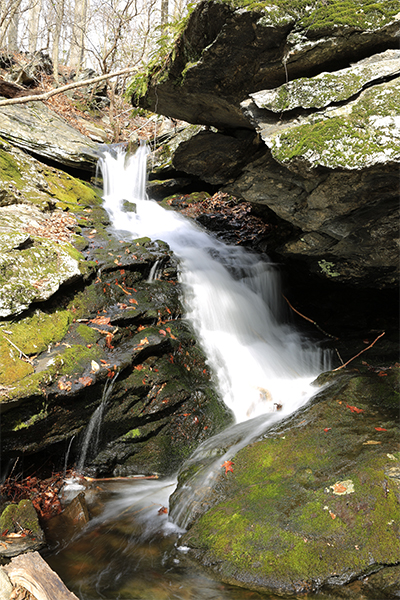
x,y
126,322
347,220
62,528
321,90
387,580
319,486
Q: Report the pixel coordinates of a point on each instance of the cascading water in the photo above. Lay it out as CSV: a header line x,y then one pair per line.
x,y
232,299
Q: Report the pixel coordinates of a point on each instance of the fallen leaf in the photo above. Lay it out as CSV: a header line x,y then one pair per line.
x,y
64,385
380,429
371,443
109,337
163,510
327,429
101,320
332,515
343,487
227,466
133,301
85,381
354,409
162,332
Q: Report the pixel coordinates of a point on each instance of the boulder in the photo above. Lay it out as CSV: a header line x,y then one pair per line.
x,y
38,130
227,52
314,502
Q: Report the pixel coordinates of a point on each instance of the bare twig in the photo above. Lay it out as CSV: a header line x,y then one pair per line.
x,y
64,88
21,354
370,346
310,320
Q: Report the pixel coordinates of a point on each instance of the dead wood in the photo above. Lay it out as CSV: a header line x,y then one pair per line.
x,y
31,572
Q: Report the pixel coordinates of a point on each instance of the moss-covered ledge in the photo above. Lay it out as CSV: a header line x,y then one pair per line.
x,y
318,500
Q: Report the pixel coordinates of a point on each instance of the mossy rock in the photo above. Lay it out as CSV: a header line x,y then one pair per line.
x,y
21,516
364,133
317,501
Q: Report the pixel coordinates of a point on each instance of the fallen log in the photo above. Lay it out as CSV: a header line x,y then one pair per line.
x,y
31,572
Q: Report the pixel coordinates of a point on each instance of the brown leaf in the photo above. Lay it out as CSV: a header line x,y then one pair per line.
x,y
85,381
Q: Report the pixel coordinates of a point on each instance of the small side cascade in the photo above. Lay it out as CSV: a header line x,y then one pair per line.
x,y
92,432
67,456
155,272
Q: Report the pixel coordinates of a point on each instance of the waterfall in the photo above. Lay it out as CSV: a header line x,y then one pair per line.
x,y
232,299
263,368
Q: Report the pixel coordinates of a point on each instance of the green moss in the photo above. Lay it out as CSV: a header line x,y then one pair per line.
x,y
88,334
359,14
130,435
43,414
309,17
22,515
328,268
35,332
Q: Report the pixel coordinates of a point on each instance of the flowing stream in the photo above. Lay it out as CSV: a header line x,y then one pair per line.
x,y
263,369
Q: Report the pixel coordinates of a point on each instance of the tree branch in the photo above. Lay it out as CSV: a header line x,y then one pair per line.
x,y
64,88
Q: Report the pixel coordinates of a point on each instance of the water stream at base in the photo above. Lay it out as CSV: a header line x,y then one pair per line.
x,y
232,299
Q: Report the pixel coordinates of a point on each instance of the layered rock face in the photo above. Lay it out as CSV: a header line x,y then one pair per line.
x,y
316,89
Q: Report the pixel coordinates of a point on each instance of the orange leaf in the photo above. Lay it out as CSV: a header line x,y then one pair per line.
x,y
163,510
101,320
332,515
228,466
109,337
380,429
133,301
327,429
354,409
64,385
139,367
85,381
162,332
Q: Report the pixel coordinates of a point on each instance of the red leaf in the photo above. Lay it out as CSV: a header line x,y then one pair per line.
x,y
327,429
228,466
380,429
162,332
354,409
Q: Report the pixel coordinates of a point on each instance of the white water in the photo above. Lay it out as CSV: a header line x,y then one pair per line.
x,y
232,298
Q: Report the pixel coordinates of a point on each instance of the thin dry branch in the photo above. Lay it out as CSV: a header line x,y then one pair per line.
x,y
310,320
365,349
64,88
